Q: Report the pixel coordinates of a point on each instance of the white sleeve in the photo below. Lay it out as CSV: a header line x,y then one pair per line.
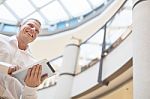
x,y
4,51
18,91
29,93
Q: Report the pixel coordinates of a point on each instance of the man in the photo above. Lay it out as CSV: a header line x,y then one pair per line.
x,y
15,50
11,88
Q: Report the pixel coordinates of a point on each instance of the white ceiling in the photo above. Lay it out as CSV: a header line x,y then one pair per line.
x,y
47,11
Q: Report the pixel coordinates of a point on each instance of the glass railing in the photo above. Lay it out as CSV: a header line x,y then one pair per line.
x,y
91,50
117,29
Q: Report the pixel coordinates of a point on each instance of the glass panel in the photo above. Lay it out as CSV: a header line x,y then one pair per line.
x,y
61,25
73,21
125,18
97,38
52,27
119,25
88,52
77,7
10,28
21,7
91,50
40,3
54,12
114,34
6,15
96,3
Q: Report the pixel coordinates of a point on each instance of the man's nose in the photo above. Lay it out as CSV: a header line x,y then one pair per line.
x,y
33,29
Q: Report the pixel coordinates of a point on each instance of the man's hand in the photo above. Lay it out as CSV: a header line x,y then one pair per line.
x,y
33,77
13,69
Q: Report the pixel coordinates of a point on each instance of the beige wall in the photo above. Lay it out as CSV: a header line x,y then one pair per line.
x,y
123,92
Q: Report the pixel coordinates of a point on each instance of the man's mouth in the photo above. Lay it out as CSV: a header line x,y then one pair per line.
x,y
29,34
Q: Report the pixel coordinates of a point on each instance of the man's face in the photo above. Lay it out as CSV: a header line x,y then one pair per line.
x,y
29,31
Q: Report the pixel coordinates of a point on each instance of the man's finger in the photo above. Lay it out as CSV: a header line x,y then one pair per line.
x,y
36,70
28,74
11,70
39,72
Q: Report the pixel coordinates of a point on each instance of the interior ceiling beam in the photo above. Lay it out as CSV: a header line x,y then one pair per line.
x,y
89,2
38,11
11,11
65,9
2,1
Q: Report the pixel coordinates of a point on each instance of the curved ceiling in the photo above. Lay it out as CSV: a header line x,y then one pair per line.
x,y
47,11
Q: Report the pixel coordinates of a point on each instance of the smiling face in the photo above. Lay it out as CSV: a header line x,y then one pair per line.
x,y
29,31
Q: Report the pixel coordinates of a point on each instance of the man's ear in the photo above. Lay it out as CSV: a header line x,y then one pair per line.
x,y
20,26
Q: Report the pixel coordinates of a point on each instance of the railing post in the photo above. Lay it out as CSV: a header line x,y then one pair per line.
x,y
102,55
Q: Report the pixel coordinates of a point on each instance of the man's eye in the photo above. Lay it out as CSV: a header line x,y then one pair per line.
x,y
37,31
30,25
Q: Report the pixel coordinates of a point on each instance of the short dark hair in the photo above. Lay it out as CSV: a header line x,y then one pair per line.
x,y
31,19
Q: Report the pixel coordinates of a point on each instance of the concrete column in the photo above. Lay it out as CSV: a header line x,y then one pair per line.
x,y
141,49
64,83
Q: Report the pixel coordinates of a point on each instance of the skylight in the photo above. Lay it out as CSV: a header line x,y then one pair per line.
x,y
47,11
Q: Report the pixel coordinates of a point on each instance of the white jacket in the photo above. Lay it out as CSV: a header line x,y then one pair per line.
x,y
10,53
13,89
